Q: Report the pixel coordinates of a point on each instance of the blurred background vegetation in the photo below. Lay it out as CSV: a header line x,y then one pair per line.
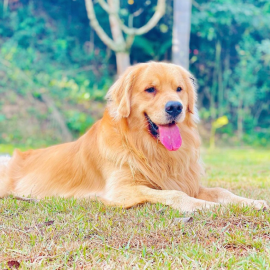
x,y
55,70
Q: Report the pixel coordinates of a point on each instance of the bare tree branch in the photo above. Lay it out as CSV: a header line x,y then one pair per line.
x,y
129,41
95,24
117,4
119,43
105,6
160,11
138,12
197,5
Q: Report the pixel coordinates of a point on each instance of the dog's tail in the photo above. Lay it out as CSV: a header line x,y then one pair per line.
x,y
4,181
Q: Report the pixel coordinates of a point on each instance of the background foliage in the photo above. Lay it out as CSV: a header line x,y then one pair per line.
x,y
48,48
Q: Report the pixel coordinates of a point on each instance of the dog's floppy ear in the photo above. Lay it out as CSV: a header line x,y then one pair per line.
x,y
190,82
119,95
192,95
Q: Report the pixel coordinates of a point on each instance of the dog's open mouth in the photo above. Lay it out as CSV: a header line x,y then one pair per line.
x,y
169,135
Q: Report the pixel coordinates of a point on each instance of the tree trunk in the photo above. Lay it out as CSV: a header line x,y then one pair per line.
x,y
181,32
122,62
122,56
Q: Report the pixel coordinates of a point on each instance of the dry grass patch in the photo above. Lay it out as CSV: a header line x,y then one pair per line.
x,y
77,234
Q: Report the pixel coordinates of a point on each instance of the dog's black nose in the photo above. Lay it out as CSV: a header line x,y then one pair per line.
x,y
173,108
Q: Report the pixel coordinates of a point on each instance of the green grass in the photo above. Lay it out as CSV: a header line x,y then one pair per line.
x,y
9,148
88,235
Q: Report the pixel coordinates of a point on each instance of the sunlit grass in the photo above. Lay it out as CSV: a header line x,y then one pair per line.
x,y
246,172
9,148
88,235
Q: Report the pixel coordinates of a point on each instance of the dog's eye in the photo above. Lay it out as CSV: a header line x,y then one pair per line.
x,y
179,89
150,90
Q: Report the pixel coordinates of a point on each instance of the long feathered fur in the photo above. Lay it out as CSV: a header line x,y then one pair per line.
x,y
116,152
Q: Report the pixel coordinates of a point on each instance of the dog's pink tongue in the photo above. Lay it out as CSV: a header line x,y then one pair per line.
x,y
170,137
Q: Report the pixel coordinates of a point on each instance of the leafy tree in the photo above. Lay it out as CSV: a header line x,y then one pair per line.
x,y
229,58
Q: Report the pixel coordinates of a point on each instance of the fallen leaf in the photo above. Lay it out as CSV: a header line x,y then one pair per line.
x,y
13,264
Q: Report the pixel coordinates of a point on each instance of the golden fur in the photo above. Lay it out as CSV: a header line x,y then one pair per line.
x,y
118,161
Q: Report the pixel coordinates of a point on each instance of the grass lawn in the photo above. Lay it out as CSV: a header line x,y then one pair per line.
x,y
72,234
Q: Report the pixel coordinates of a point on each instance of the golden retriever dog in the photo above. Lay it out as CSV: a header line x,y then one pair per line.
x,y
146,148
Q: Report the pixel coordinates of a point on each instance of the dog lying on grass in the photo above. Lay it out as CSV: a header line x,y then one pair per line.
x,y
146,148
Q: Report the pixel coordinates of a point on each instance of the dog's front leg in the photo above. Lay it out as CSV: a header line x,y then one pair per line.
x,y
223,196
132,195
174,198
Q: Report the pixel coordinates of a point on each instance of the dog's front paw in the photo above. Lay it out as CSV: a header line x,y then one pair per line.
x,y
259,204
198,205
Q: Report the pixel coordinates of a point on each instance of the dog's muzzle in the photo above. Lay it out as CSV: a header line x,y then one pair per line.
x,y
173,108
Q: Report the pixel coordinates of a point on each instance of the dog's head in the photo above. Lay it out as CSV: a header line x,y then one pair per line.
x,y
155,96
